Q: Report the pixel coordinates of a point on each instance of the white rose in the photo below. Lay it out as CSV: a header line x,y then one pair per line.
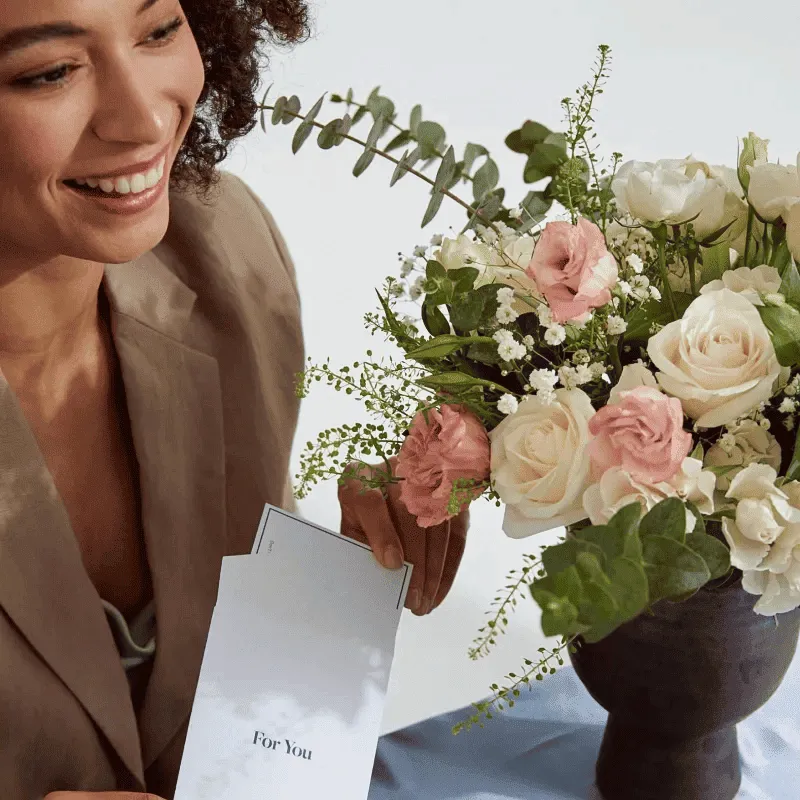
x,y
774,188
765,538
539,462
793,230
671,191
617,489
633,375
751,445
718,360
734,207
503,263
749,283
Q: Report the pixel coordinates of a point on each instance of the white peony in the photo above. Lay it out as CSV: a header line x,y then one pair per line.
x,y
751,445
633,375
718,360
749,283
774,189
672,191
539,463
505,262
765,538
617,489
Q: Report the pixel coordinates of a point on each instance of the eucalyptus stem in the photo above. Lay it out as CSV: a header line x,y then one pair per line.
x,y
396,161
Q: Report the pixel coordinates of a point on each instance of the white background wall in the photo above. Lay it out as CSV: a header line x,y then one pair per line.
x,y
688,77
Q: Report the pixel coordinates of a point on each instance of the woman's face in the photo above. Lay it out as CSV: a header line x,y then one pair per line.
x,y
82,106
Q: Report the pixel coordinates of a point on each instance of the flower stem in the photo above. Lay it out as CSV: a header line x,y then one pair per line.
x,y
662,265
751,215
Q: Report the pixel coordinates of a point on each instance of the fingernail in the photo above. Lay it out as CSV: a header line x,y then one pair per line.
x,y
416,598
392,557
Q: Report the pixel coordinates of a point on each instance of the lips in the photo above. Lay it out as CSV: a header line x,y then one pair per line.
x,y
126,171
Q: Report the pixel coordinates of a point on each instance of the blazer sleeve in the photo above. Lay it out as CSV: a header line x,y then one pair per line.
x,y
288,503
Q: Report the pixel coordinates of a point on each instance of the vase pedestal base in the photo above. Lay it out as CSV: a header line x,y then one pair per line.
x,y
635,765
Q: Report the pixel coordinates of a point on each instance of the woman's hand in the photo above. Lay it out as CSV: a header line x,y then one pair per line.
x,y
101,796
386,524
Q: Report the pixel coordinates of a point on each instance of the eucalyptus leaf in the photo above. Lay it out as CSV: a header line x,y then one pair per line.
x,y
406,162
484,354
463,278
714,552
433,208
558,557
328,135
431,136
306,126
525,139
401,140
485,179
363,162
446,170
672,568
558,615
416,118
471,152
667,518
277,110
629,587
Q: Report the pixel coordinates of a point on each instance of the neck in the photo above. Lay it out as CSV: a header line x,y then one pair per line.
x,y
51,329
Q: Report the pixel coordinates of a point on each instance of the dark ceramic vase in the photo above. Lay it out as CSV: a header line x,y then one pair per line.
x,y
676,684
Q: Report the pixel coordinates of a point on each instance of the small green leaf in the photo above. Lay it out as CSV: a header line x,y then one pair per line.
x,y
672,568
401,140
626,520
471,152
363,162
714,552
446,170
558,615
277,110
454,380
407,162
306,126
716,260
327,136
698,452
783,322
653,311
431,136
484,353
590,569
435,322
556,558
485,179
433,208
465,313
376,131
790,285
416,118
291,109
463,278
667,518
442,346
527,137
543,162
629,587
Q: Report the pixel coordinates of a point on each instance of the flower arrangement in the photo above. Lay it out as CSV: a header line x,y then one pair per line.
x,y
628,367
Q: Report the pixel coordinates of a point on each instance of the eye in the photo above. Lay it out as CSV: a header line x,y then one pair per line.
x,y
57,77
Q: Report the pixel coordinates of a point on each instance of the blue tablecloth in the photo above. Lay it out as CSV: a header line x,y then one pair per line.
x,y
546,746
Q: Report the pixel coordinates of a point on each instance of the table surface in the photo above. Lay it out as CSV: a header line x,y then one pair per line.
x,y
546,746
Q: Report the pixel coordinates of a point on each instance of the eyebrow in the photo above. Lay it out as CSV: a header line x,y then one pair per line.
x,y
20,38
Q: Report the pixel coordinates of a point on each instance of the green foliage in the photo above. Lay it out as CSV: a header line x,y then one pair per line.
x,y
783,323
605,575
716,260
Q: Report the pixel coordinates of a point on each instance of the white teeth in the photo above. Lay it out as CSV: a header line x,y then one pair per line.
x,y
129,183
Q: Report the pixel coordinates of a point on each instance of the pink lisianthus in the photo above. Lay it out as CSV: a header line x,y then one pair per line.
x,y
573,268
452,444
642,433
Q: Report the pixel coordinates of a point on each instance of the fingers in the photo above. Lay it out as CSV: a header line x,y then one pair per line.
x,y
436,555
456,545
415,547
366,518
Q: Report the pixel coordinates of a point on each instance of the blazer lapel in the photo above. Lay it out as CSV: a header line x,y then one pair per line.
x,y
175,407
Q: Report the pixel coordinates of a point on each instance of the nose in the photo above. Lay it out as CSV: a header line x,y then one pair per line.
x,y
132,107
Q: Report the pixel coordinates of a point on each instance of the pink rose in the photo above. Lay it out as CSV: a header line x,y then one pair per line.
x,y
642,433
573,268
452,444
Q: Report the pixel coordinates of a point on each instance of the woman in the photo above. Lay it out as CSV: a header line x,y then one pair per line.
x,y
148,348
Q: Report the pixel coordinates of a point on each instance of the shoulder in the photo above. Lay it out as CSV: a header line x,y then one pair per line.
x,y
232,238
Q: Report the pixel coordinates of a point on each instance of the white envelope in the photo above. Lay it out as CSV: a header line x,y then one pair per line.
x,y
293,682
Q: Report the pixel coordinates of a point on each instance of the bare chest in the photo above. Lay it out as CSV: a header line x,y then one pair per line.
x,y
90,455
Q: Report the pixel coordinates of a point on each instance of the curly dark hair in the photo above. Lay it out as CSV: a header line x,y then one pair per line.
x,y
230,35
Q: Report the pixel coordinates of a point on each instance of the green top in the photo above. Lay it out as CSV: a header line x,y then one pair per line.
x,y
136,641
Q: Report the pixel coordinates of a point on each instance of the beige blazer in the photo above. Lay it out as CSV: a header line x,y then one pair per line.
x,y
207,330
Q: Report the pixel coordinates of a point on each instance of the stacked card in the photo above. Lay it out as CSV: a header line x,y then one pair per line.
x,y
294,676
